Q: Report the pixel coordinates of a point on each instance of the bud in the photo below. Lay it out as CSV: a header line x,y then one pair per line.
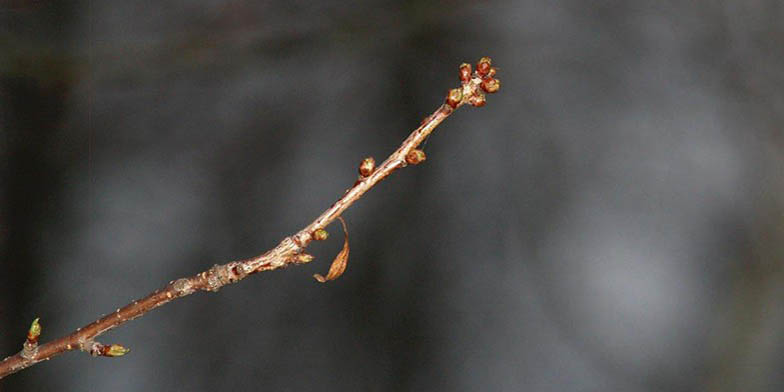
x,y
491,85
320,235
304,258
465,72
116,350
34,332
491,72
367,166
478,100
453,97
483,66
415,157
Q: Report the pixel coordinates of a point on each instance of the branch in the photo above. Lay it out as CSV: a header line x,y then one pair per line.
x,y
290,251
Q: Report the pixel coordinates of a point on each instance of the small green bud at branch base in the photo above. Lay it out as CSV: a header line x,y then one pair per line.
x,y
115,350
34,332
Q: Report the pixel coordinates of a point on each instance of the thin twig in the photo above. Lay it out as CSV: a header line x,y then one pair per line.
x,y
290,251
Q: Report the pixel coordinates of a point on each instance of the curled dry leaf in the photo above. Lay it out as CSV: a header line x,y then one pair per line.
x,y
339,264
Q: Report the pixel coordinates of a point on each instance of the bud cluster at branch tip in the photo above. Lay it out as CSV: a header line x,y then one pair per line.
x,y
415,157
475,84
367,166
320,235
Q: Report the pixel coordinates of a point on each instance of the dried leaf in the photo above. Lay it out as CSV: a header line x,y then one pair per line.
x,y
339,264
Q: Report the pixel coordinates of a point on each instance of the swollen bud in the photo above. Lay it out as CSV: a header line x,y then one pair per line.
x,y
465,72
454,97
478,100
34,332
115,350
415,157
483,66
491,85
304,258
367,166
320,235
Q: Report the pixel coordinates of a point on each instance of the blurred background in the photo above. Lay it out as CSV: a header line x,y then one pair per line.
x,y
612,220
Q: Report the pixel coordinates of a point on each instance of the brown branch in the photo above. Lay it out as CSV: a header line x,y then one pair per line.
x,y
290,251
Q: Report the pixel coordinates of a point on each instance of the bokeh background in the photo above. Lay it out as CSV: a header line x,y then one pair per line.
x,y
612,220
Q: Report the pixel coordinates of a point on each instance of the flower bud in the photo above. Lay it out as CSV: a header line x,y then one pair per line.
x,y
415,157
115,350
320,235
367,166
453,97
491,85
478,100
465,72
304,258
34,332
483,66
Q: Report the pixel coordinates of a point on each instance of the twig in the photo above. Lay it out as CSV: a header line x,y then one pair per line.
x,y
290,251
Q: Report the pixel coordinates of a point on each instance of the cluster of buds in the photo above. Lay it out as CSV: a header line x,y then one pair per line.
x,y
484,76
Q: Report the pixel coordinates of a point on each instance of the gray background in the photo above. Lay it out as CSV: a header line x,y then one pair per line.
x,y
612,220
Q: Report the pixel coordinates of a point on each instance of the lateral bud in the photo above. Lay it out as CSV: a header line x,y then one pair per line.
x,y
34,332
115,350
108,350
454,97
320,235
303,258
367,166
415,157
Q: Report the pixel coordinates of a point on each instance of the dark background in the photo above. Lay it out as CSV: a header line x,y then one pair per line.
x,y
612,220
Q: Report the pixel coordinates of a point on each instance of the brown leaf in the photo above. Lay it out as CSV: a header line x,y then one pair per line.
x,y
339,264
